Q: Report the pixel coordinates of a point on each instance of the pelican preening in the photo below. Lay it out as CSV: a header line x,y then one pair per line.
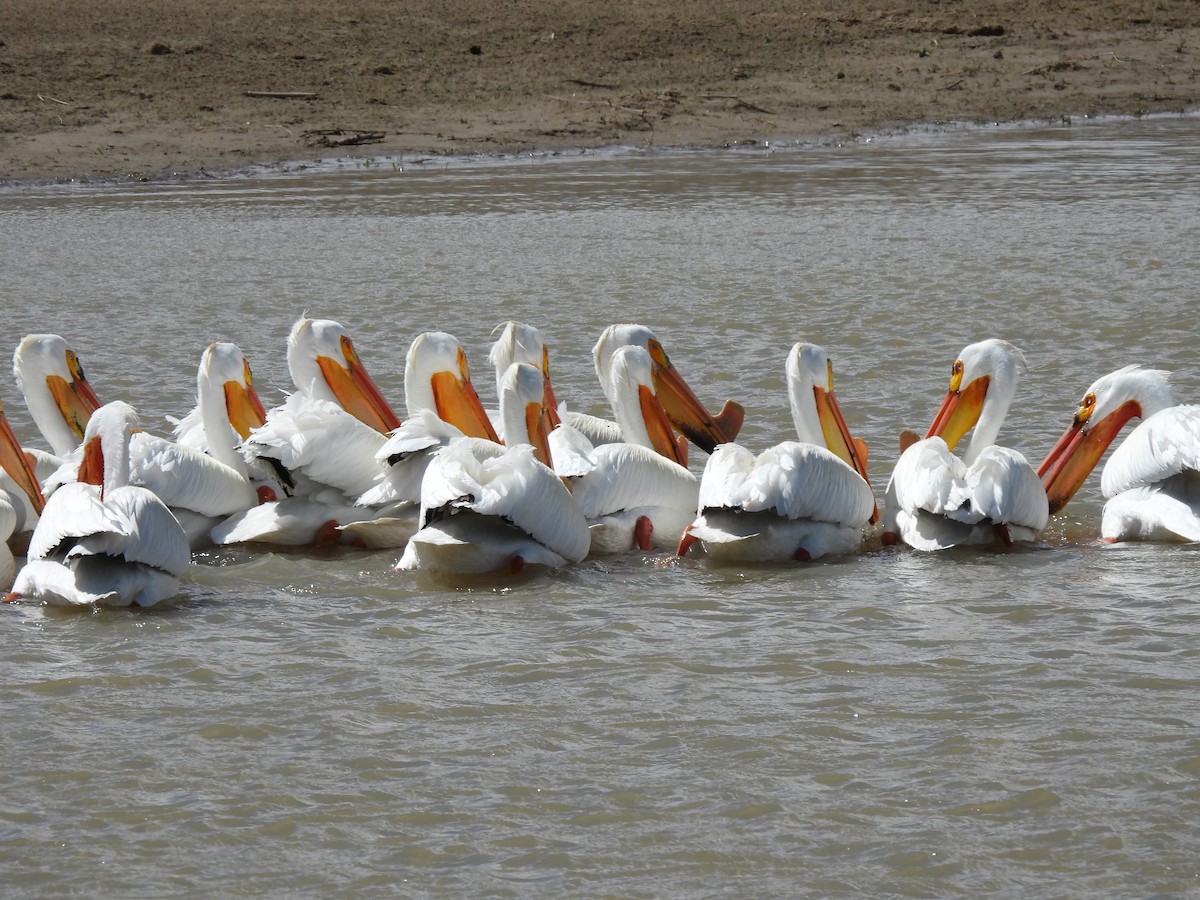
x,y
536,484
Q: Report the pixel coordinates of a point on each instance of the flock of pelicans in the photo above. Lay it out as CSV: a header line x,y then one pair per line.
x,y
110,515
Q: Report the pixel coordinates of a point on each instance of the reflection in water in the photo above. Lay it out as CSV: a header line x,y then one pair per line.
x,y
887,723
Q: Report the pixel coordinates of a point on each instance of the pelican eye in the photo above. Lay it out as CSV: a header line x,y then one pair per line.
x,y
657,353
74,366
956,374
1086,407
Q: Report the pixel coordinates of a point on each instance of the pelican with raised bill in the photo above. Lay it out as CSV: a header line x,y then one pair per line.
x,y
490,508
1152,479
19,479
101,541
798,500
936,500
678,400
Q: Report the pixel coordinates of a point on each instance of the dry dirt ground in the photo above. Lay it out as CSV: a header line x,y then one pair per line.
x,y
113,88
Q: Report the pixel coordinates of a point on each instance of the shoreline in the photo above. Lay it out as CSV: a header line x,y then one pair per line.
x,y
109,90
363,162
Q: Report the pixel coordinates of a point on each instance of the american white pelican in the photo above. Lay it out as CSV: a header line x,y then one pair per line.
x,y
100,540
201,475
486,507
1152,479
680,402
58,395
436,377
442,405
321,442
797,500
934,499
325,366
18,488
636,494
521,343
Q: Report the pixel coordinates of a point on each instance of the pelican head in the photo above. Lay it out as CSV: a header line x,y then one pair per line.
x,y
519,343
18,465
642,418
523,406
324,364
105,458
815,411
983,382
58,394
1111,401
436,377
683,408
224,383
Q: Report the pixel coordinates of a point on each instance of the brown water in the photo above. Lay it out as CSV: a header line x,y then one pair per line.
x,y
898,724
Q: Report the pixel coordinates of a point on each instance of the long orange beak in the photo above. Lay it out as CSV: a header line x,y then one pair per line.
x,y
75,399
356,390
658,426
1072,458
91,465
244,408
456,402
538,426
685,411
959,411
19,466
851,450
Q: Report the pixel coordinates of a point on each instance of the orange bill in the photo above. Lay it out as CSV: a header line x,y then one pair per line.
x,y
75,399
18,465
243,406
456,402
1072,458
658,426
851,450
959,411
356,390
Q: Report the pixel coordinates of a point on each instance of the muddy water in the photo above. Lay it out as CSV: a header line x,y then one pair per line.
x,y
891,723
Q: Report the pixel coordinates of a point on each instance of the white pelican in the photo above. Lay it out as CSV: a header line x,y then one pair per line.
x,y
325,366
19,479
436,377
680,402
934,499
58,395
321,443
101,541
487,508
1152,479
635,494
797,500
442,405
521,343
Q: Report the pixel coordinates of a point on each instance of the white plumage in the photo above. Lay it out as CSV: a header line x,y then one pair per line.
x,y
935,500
1152,479
798,499
111,543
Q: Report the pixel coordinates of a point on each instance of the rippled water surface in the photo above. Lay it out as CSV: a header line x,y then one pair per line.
x,y
1022,723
